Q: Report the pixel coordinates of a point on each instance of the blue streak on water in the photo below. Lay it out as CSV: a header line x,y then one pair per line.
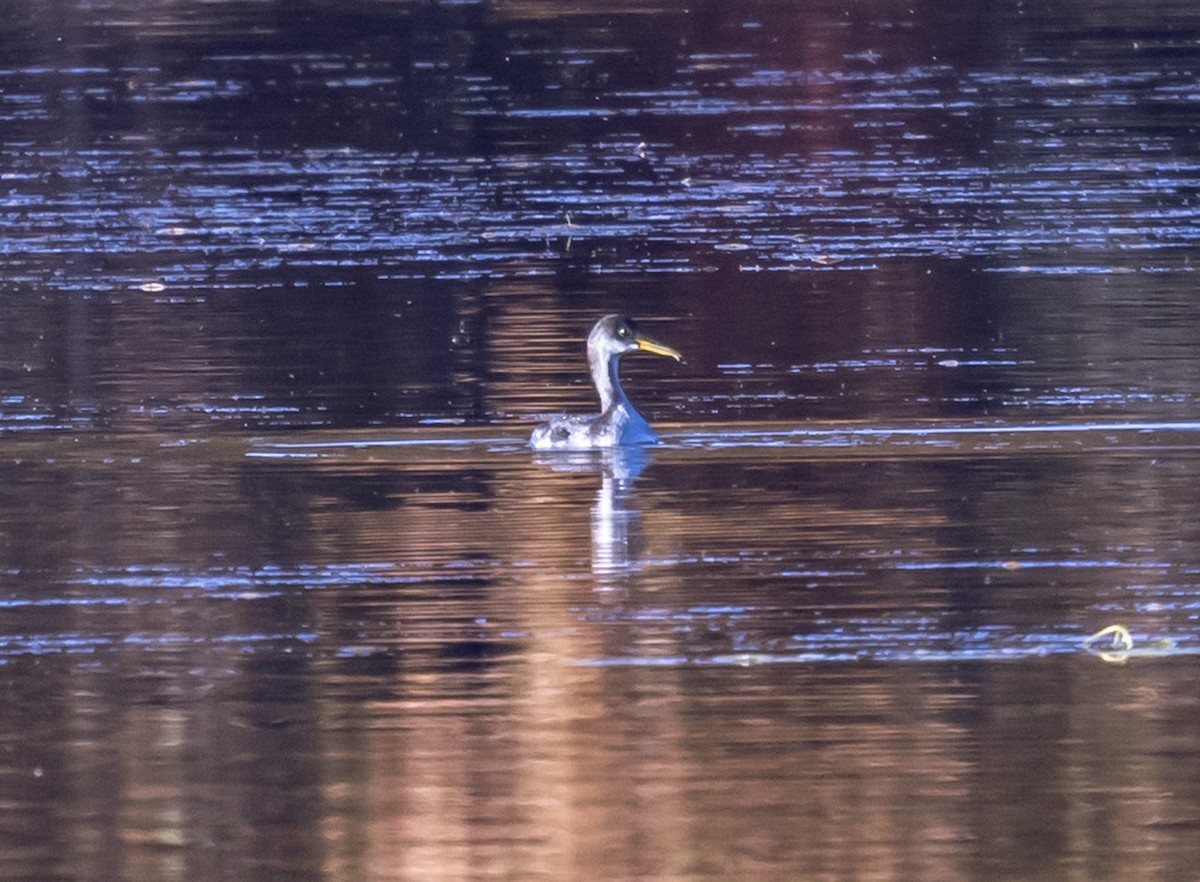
x,y
231,582
90,644
896,641
1024,563
842,437
138,586
1133,433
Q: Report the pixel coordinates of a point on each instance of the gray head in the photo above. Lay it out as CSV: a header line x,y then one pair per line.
x,y
612,337
618,334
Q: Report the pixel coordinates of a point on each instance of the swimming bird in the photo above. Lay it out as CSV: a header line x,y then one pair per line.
x,y
618,422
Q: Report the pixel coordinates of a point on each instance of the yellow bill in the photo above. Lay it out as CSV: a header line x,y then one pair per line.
x,y
645,344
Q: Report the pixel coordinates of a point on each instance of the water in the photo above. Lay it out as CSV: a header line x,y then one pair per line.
x,y
283,291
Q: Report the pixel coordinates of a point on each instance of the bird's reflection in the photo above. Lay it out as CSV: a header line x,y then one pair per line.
x,y
616,518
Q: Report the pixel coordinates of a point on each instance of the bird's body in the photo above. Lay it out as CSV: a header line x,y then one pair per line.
x,y
618,422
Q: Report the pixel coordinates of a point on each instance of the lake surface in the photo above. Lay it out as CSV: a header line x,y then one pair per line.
x,y
284,289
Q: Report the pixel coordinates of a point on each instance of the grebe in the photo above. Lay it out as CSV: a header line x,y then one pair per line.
x,y
618,421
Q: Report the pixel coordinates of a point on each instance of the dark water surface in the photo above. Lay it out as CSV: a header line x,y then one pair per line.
x,y
284,287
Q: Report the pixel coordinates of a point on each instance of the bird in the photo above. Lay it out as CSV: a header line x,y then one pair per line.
x,y
618,422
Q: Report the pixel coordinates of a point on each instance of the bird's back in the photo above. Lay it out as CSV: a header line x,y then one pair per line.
x,y
621,425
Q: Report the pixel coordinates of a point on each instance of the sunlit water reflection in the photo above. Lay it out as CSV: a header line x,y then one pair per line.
x,y
421,655
284,594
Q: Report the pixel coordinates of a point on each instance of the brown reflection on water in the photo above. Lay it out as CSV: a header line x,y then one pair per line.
x,y
547,771
223,658
490,665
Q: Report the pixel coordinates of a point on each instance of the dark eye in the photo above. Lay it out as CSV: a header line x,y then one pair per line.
x,y
622,331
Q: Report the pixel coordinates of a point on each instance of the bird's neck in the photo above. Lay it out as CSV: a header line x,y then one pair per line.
x,y
608,384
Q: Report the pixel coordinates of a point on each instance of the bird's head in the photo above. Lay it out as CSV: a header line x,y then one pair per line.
x,y
618,334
